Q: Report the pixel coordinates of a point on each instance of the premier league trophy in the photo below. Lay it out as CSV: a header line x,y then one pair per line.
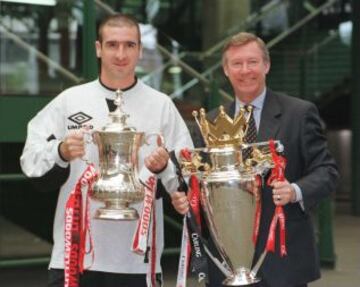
x,y
228,189
118,185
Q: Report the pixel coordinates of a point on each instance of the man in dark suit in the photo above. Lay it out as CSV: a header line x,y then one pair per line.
x,y
310,175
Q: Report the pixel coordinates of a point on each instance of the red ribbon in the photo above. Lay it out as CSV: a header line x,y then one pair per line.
x,y
194,198
277,173
76,229
186,154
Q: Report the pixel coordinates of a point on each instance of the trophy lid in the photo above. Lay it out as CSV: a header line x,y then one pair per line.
x,y
118,117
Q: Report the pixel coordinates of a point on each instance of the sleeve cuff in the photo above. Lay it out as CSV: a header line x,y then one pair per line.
x,y
58,159
298,195
168,177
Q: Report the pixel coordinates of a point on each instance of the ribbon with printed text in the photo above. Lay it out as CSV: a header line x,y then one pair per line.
x,y
77,229
147,222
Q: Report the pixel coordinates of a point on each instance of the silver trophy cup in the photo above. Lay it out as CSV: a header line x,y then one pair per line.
x,y
229,191
118,186
229,203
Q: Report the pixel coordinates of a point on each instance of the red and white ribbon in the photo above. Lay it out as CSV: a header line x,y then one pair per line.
x,y
146,222
277,173
140,240
77,228
151,274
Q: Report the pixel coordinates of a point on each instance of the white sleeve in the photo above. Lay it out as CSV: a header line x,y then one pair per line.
x,y
44,133
177,137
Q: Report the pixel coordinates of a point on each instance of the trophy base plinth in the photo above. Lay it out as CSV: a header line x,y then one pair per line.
x,y
117,214
242,277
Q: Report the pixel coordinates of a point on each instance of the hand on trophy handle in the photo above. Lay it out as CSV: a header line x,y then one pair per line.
x,y
72,146
157,161
283,192
180,202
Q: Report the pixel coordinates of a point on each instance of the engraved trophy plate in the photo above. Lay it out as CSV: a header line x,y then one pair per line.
x,y
228,187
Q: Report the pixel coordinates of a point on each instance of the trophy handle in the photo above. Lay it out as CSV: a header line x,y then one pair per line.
x,y
88,139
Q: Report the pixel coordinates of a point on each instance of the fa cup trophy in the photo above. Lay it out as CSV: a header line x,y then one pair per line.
x,y
228,189
118,185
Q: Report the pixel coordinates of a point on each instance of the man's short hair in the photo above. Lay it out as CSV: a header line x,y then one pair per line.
x,y
242,39
118,20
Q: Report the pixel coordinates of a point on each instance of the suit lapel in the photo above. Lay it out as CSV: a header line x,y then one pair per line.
x,y
270,118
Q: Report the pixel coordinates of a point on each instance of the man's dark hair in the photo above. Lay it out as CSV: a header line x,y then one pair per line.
x,y
118,20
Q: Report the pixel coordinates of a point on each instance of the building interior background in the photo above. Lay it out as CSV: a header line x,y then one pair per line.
x,y
48,46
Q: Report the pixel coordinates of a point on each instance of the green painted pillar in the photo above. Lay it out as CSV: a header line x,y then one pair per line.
x,y
355,104
89,60
326,236
214,98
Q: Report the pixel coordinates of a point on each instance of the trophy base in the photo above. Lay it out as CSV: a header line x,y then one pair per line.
x,y
117,214
242,277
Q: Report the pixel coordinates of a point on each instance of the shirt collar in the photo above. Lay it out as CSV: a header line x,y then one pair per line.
x,y
257,103
124,90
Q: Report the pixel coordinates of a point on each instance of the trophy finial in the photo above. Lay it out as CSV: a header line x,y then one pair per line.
x,y
118,117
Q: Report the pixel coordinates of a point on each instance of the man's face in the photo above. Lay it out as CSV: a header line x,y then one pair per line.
x,y
246,69
119,52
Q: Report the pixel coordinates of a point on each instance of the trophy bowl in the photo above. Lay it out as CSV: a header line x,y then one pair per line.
x,y
229,204
118,185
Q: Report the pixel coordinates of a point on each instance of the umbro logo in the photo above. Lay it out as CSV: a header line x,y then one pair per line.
x,y
80,119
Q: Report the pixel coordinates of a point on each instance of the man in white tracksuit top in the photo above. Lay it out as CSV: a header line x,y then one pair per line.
x,y
55,146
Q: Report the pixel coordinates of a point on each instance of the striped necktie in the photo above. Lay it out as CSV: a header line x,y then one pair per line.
x,y
251,132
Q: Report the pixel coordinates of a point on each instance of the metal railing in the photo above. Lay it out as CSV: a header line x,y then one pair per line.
x,y
252,19
270,44
41,56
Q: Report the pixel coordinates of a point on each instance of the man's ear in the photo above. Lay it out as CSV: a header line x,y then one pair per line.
x,y
225,70
98,49
141,51
268,65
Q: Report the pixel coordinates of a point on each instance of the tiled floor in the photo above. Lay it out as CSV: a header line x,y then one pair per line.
x,y
346,273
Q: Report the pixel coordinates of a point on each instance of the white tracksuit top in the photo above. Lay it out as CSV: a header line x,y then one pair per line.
x,y
85,105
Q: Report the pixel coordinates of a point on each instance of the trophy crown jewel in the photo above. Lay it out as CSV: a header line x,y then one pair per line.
x,y
223,131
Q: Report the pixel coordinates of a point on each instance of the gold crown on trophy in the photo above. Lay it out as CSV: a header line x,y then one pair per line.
x,y
223,131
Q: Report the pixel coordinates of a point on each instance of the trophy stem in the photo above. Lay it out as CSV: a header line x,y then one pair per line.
x,y
117,210
242,277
